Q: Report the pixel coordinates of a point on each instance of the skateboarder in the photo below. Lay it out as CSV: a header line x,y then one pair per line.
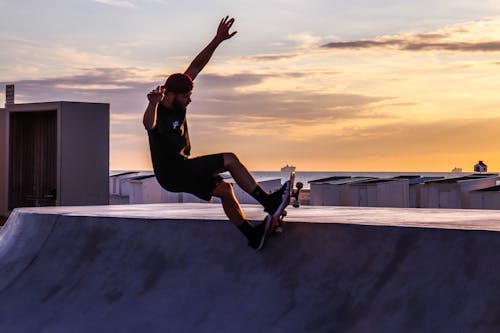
x,y
166,123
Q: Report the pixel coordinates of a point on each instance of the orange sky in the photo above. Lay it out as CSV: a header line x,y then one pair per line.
x,y
379,106
413,93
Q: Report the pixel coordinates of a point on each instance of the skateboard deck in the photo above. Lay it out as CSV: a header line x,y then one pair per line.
x,y
294,201
277,217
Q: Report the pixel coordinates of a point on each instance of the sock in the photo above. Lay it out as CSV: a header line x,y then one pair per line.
x,y
247,229
260,195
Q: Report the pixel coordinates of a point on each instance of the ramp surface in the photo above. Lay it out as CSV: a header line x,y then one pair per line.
x,y
184,268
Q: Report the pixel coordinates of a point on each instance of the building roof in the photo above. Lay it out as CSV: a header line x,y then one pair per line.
x,y
378,181
142,177
466,178
122,173
341,180
490,189
328,179
421,180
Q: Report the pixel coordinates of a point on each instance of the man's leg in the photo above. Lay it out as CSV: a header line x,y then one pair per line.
x,y
255,235
230,204
239,172
246,181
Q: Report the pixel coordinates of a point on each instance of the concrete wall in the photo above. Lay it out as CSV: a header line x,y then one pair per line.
x,y
173,268
84,140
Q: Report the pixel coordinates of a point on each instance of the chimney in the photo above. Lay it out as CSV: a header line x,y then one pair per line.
x,y
9,94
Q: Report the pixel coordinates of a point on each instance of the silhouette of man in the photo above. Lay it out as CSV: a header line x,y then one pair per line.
x,y
166,123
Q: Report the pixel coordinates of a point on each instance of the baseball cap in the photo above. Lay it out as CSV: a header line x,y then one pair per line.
x,y
179,83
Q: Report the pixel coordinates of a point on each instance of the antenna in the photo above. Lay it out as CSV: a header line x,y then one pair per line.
x,y
9,94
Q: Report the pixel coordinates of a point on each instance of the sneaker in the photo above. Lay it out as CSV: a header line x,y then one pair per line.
x,y
278,200
259,235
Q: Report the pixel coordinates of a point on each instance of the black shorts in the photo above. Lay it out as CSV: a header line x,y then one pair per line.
x,y
198,176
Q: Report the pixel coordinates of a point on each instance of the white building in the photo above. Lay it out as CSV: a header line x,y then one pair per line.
x,y
116,182
454,192
146,189
480,167
333,191
54,153
391,192
487,198
416,184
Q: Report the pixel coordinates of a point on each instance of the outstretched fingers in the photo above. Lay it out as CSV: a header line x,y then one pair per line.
x,y
225,24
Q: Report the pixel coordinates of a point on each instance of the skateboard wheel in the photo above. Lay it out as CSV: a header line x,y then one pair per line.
x,y
278,230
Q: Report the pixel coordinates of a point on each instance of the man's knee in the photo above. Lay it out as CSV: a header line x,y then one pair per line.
x,y
223,189
230,159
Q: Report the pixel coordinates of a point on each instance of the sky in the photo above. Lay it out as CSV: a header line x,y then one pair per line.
x,y
325,85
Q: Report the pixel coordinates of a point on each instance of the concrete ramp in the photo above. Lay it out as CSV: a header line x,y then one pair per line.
x,y
184,268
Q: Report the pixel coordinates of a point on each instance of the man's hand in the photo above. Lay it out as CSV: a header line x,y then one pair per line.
x,y
223,29
204,56
156,95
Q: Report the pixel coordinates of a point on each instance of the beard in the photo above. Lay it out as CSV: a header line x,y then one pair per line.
x,y
178,105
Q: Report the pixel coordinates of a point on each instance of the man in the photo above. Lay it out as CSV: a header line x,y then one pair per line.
x,y
165,121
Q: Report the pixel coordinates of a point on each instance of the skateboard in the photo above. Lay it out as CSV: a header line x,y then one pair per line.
x,y
295,203
277,219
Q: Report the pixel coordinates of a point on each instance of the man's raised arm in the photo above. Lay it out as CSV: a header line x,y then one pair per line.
x,y
202,59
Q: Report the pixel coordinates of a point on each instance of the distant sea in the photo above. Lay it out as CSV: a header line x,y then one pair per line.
x,y
305,176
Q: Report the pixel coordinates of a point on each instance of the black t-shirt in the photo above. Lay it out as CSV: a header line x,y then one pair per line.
x,y
169,140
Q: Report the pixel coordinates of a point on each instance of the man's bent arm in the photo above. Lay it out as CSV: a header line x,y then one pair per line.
x,y
154,98
204,57
149,118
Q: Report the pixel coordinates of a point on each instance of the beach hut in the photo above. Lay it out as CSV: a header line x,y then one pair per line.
x,y
333,191
486,198
416,184
117,180
388,192
454,192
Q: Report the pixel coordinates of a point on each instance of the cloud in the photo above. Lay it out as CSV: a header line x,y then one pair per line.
x,y
405,45
124,88
217,82
270,57
460,39
117,3
219,113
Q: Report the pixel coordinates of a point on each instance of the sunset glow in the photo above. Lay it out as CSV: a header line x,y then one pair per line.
x,y
319,84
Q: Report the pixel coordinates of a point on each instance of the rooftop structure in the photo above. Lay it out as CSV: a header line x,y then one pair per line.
x,y
53,153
